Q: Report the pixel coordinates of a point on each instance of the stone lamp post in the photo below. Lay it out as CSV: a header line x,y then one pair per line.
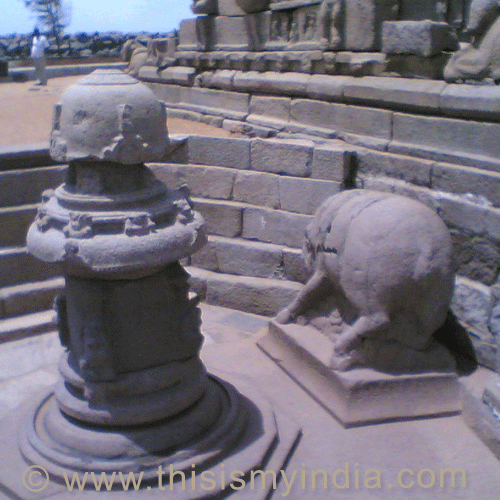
x,y
134,395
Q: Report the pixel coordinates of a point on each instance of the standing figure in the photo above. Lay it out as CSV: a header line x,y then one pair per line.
x,y
330,17
39,44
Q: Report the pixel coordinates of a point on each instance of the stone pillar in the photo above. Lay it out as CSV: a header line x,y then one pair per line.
x,y
134,395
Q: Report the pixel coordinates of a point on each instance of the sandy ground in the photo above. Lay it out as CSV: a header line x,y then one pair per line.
x,y
26,113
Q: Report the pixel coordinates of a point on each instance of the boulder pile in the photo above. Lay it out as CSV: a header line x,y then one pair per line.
x,y
79,45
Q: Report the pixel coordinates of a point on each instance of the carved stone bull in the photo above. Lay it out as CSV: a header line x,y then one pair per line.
x,y
136,54
387,262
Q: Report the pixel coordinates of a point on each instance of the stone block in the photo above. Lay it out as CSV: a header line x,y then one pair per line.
x,y
462,180
400,167
369,122
343,119
274,226
271,82
363,395
183,114
221,218
273,112
332,162
218,79
178,149
167,173
230,8
361,63
18,266
257,188
30,297
189,34
462,213
248,129
445,138
14,224
327,88
169,94
419,11
494,319
397,93
413,66
295,268
423,38
320,115
233,33
471,101
177,75
476,257
492,222
471,304
389,185
213,121
248,258
215,102
220,152
206,257
19,187
304,196
207,182
256,295
363,20
288,157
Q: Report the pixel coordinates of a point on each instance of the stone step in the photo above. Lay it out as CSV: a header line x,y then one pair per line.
x,y
292,194
14,224
440,176
20,187
29,298
242,257
18,266
262,296
27,325
231,219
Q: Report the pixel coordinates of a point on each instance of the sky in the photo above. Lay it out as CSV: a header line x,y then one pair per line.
x,y
154,16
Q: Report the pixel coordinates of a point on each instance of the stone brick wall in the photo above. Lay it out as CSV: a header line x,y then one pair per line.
x,y
258,195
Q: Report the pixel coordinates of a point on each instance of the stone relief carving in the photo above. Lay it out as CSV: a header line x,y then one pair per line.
x,y
382,280
480,59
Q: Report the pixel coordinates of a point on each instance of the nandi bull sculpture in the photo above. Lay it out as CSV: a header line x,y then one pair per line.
x,y
385,262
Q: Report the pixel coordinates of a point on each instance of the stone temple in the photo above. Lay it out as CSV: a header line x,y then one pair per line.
x,y
308,304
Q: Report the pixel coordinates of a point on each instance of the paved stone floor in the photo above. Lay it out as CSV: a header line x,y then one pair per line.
x,y
390,461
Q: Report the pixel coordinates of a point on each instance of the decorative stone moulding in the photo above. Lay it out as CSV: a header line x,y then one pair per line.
x,y
109,115
101,233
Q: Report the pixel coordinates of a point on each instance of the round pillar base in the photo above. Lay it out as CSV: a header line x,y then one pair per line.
x,y
224,432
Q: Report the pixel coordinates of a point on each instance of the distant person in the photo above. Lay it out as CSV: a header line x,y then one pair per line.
x,y
38,46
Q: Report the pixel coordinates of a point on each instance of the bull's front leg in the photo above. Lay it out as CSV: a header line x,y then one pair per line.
x,y
314,290
365,326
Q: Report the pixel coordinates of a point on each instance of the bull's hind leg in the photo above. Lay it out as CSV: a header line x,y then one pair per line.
x,y
314,290
365,326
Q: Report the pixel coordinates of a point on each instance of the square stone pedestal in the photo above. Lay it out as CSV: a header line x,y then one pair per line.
x,y
358,396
